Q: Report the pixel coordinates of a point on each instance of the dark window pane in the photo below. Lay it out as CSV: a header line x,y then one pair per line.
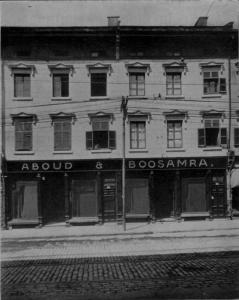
x,y
23,135
212,135
98,84
100,139
60,85
22,85
137,84
62,135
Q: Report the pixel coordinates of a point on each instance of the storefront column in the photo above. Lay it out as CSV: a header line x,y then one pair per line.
x,y
229,193
177,195
39,200
66,196
119,197
152,196
99,197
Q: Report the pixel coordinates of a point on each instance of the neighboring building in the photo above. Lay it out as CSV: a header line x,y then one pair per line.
x,y
62,123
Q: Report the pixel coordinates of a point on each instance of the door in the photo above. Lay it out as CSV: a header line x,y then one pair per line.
x,y
218,205
109,199
137,197
194,195
84,198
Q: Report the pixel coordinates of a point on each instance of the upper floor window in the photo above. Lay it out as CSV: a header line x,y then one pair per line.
x,y
136,73
173,84
62,134
101,137
22,85
174,134
213,79
98,84
23,131
236,137
137,135
60,80
136,84
212,135
22,74
60,85
98,79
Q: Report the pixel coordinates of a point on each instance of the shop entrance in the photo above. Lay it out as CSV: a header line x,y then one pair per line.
x,y
53,200
194,195
164,196
218,196
109,199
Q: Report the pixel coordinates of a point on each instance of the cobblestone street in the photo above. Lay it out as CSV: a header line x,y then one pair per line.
x,y
211,275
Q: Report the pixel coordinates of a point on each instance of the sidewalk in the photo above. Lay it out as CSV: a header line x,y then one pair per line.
x,y
54,242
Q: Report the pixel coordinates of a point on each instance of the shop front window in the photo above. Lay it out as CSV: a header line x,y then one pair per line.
x,y
24,200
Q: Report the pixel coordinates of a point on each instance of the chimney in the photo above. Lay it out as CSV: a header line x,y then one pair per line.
x,y
201,21
113,21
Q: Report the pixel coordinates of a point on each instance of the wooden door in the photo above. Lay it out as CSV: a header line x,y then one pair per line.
x,y
218,205
109,199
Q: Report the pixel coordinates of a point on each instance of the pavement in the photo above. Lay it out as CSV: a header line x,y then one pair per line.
x,y
111,240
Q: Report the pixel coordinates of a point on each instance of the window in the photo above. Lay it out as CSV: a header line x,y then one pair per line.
x,y
137,135
100,137
137,84
212,83
173,84
212,135
98,84
174,134
60,85
236,137
22,85
23,134
62,134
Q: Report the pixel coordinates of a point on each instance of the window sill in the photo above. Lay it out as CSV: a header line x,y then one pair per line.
x,y
63,152
212,149
99,98
138,150
24,152
22,99
176,150
61,99
175,97
101,151
212,96
137,97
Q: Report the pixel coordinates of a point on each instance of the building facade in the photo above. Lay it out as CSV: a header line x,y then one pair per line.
x,y
63,123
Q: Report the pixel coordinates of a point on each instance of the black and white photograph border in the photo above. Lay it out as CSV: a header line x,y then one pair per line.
x,y
119,149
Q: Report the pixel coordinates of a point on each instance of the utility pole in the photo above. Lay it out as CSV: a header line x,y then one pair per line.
x,y
124,109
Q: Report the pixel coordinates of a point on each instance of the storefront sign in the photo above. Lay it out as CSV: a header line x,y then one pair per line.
x,y
176,163
116,164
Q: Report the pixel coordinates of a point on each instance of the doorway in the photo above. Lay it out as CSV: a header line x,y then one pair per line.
x,y
109,199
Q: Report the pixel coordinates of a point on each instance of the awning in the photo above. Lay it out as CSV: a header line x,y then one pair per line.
x,y
235,178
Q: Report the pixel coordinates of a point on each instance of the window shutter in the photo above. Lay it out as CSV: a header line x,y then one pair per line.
x,y
236,137
66,138
201,137
223,86
89,140
112,139
56,86
57,136
26,86
18,85
223,137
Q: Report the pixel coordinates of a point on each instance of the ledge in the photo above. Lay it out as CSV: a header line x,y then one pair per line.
x,y
138,150
213,149
82,220
195,214
212,96
99,98
63,152
176,150
22,99
61,99
24,153
137,97
174,97
101,151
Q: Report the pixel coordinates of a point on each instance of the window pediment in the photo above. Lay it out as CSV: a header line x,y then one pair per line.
x,y
26,68
23,115
63,115
138,67
175,67
139,116
212,65
101,115
99,68
61,68
176,115
217,114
